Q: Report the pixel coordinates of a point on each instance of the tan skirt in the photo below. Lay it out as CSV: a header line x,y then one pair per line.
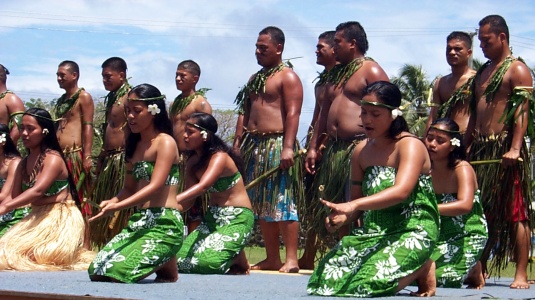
x,y
50,238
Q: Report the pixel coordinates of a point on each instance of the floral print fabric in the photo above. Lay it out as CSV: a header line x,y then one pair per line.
x,y
461,243
152,238
210,248
393,243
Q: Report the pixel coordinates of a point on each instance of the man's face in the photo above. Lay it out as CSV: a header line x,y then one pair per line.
x,y
185,80
112,79
342,48
490,43
267,51
65,77
457,53
324,53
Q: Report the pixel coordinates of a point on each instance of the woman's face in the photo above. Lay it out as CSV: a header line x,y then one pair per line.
x,y
375,119
193,136
31,132
137,113
438,143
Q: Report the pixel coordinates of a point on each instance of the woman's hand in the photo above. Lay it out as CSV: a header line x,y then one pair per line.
x,y
341,214
106,208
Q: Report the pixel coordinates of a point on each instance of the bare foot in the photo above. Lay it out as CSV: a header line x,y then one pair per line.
x,y
240,265
531,281
519,284
267,265
167,272
289,268
475,278
427,283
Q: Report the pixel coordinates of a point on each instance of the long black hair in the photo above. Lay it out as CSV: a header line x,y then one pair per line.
x,y
452,130
213,142
389,94
162,123
50,142
10,150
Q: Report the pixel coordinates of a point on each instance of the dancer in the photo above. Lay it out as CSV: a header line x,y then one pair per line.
x,y
389,176
271,103
51,236
463,227
9,160
11,106
503,115
155,231
216,245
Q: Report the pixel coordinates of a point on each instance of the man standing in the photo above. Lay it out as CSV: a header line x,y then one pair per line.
x,y
271,106
188,102
111,164
340,118
74,113
325,57
504,99
10,105
452,93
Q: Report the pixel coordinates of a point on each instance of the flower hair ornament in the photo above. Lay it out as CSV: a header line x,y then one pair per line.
x,y
455,142
396,112
45,131
204,131
2,138
154,109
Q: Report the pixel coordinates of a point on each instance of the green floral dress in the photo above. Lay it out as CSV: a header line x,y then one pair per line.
x,y
13,217
461,242
393,243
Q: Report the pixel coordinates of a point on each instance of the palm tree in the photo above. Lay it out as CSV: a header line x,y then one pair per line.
x,y
415,90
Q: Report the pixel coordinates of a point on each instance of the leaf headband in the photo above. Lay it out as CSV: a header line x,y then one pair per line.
x,y
162,97
396,112
445,130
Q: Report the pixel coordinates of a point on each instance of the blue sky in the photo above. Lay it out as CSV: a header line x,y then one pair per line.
x,y
154,36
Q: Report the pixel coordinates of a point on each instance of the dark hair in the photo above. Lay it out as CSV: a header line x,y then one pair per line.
x,y
328,36
50,142
213,142
10,150
352,30
162,123
459,153
71,65
276,34
191,66
3,73
389,94
117,64
462,36
497,25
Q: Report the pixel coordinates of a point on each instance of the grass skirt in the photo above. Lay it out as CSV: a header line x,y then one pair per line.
x,y
108,184
499,189
280,196
50,238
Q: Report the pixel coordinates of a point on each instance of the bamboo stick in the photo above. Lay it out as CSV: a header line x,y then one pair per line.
x,y
490,161
271,172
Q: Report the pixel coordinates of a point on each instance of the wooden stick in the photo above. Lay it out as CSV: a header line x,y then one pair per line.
x,y
271,172
490,161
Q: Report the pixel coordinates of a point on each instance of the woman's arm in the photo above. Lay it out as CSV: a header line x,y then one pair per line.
x,y
465,175
213,171
8,185
53,167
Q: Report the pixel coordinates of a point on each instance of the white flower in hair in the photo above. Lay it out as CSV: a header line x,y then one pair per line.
x,y
396,113
204,134
2,138
455,142
153,109
45,130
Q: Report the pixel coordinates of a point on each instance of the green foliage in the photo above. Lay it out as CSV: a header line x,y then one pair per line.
x,y
415,90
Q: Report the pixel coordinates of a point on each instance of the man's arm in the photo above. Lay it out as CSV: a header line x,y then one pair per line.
x,y
14,104
435,104
292,100
520,77
87,110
